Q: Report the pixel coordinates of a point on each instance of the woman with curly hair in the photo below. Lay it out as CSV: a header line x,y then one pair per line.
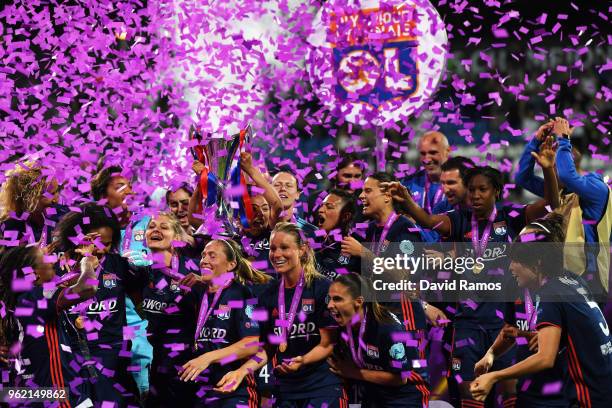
x,y
28,205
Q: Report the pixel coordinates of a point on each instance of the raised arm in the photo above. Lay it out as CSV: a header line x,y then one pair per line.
x,y
589,189
546,159
525,176
402,197
196,198
270,194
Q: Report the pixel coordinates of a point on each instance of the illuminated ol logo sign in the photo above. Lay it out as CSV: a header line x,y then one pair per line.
x,y
375,76
377,61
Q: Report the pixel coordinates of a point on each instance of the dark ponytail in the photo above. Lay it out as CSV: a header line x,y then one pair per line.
x,y
359,286
12,263
549,232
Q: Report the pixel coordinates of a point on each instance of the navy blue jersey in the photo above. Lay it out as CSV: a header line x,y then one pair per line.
x,y
389,349
171,311
483,311
402,232
331,262
15,230
442,207
548,386
257,250
302,337
103,316
566,303
416,185
46,352
258,289
230,321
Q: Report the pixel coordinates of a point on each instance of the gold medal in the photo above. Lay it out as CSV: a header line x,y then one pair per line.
x,y
283,347
79,322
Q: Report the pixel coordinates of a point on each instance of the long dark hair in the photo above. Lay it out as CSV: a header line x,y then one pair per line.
x,y
73,224
549,259
384,177
348,211
357,286
12,263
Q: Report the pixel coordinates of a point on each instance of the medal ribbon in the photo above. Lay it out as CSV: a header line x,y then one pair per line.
x,y
392,218
357,355
43,236
206,309
428,206
481,244
127,238
173,272
530,310
297,295
42,242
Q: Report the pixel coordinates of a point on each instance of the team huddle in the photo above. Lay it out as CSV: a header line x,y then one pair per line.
x,y
166,308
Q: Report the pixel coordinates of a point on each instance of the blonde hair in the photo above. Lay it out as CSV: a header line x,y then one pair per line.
x,y
22,189
174,222
244,270
308,259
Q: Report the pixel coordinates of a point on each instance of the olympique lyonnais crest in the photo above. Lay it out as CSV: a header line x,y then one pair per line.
x,y
308,305
376,69
110,280
376,61
372,351
223,313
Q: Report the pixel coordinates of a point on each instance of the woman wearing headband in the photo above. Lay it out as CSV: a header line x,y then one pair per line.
x,y
375,351
565,317
299,330
482,233
520,330
226,333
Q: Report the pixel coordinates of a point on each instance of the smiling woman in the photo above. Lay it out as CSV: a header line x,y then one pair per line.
x,y
374,350
226,333
178,202
161,231
26,194
170,309
299,348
